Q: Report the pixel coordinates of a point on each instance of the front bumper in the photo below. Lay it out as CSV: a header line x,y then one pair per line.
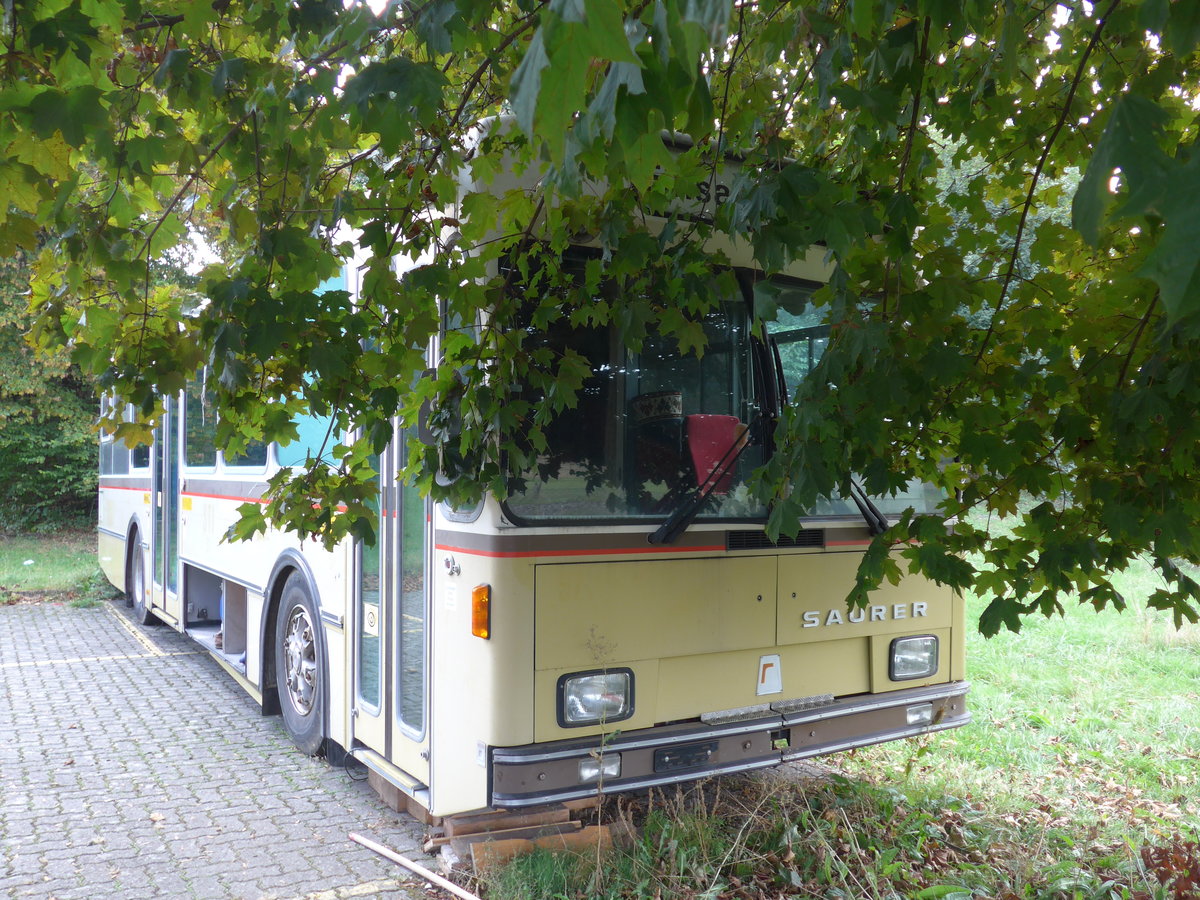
x,y
544,773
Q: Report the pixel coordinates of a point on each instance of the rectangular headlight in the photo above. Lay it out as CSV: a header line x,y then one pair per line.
x,y
592,698
602,765
913,657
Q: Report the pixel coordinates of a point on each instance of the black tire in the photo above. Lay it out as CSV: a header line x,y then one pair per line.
x,y
300,666
135,583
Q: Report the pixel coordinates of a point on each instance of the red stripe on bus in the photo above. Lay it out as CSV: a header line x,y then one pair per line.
x,y
515,554
117,487
223,497
259,500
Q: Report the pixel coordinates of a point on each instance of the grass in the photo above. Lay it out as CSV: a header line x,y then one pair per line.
x,y
1079,778
61,566
761,838
1090,716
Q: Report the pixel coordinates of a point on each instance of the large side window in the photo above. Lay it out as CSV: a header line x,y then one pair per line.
x,y
200,425
200,432
253,457
315,439
106,447
106,442
139,456
114,455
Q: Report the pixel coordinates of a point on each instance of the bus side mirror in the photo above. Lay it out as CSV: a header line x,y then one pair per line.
x,y
439,424
424,434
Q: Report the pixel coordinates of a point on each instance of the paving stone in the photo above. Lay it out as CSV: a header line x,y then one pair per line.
x,y
24,864
132,882
149,775
207,886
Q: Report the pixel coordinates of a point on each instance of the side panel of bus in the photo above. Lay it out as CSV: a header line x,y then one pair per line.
x,y
172,520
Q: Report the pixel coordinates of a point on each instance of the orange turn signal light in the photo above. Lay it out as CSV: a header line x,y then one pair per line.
x,y
481,611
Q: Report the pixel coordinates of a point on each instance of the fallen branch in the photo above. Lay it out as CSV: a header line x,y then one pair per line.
x,y
395,857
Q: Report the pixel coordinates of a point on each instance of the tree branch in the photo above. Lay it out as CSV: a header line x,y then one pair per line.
x,y
906,156
1136,338
192,179
1080,70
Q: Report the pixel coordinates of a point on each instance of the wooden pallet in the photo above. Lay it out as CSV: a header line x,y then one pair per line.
x,y
494,837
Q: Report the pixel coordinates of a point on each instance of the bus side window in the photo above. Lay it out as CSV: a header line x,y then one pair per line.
x,y
114,457
315,440
254,456
199,426
139,456
106,454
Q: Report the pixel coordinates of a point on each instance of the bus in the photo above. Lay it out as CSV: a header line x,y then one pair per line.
x,y
619,620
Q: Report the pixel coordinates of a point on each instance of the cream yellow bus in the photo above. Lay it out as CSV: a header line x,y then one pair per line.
x,y
619,620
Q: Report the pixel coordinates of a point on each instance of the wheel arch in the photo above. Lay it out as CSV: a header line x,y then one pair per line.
x,y
289,562
134,531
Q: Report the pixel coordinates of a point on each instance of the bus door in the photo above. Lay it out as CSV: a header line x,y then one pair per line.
x,y
391,666
164,502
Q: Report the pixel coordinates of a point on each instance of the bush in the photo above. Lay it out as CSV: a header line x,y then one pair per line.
x,y
48,471
48,456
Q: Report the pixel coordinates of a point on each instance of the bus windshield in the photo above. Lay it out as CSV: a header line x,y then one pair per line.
x,y
801,335
652,427
649,428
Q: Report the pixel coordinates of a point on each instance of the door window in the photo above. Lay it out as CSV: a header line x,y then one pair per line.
x,y
410,589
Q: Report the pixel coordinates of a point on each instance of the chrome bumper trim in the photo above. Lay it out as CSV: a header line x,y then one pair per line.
x,y
543,773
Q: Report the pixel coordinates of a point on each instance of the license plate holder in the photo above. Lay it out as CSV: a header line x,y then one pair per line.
x,y
688,756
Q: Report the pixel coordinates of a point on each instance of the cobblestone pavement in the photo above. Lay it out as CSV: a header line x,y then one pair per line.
x,y
131,765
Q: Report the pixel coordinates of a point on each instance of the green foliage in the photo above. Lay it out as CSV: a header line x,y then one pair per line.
x,y
975,342
91,592
47,445
48,471
768,837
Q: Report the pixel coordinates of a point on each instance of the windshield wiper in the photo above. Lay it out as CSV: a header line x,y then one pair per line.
x,y
679,520
877,522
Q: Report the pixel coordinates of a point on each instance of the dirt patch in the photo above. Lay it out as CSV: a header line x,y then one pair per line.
x,y
20,598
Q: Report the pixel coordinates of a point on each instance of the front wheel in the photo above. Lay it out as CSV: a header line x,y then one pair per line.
x,y
300,666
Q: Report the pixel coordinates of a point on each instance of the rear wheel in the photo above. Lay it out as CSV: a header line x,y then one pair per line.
x,y
135,579
300,666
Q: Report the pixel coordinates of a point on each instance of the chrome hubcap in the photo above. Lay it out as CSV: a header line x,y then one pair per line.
x,y
300,661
